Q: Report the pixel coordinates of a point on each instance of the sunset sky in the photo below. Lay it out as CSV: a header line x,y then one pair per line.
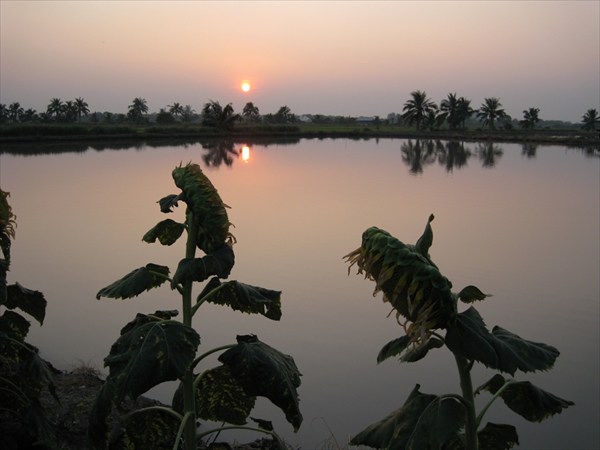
x,y
342,58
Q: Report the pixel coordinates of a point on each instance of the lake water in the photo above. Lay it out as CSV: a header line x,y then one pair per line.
x,y
521,223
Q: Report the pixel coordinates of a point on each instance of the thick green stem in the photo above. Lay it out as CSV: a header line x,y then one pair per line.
x,y
466,385
189,403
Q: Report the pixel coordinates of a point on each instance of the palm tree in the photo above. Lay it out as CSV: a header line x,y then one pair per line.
x,y
29,115
214,115
251,112
490,111
449,111
15,111
137,109
188,113
82,108
530,118
70,110
55,108
176,109
417,108
464,111
590,119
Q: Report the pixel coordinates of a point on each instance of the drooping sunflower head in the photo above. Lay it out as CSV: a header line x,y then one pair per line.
x,y
204,202
410,282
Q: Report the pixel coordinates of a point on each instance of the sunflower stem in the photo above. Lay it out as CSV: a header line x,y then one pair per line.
x,y
466,385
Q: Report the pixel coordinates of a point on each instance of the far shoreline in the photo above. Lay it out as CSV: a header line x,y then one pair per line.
x,y
56,134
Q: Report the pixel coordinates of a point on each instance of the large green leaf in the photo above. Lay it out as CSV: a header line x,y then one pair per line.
x,y
264,371
31,302
167,232
221,398
501,349
135,282
515,352
526,399
439,424
469,337
246,298
150,351
219,263
395,431
497,437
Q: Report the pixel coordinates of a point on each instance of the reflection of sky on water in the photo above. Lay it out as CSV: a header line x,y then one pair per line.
x,y
524,229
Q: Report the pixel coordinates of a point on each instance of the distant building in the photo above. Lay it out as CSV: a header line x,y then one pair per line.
x,y
366,119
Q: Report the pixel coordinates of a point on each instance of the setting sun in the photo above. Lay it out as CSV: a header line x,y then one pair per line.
x,y
245,86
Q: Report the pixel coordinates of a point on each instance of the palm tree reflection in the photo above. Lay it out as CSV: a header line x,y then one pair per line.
x,y
453,154
529,150
416,155
218,153
488,153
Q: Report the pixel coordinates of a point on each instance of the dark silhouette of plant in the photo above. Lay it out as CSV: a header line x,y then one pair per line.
x,y
590,120
216,116
23,374
176,110
164,117
15,112
251,112
530,118
417,108
283,115
56,109
137,109
154,348
188,114
464,111
82,108
449,110
424,305
491,111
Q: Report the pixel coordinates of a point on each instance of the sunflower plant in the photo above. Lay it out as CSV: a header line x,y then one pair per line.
x,y
155,348
427,310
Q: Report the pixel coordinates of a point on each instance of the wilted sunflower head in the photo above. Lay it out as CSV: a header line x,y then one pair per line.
x,y
409,280
204,202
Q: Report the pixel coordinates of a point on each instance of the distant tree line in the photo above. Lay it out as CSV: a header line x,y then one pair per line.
x,y
453,112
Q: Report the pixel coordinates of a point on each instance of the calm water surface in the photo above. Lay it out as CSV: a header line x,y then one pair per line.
x,y
520,223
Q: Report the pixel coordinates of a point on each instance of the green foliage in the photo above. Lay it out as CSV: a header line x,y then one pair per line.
x,y
265,371
156,348
23,374
413,285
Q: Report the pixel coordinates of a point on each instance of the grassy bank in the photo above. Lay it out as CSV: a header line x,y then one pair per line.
x,y
85,132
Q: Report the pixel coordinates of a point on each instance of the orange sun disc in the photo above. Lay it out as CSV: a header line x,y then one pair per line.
x,y
245,86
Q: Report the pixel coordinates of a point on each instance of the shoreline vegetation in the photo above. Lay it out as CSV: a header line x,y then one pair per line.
x,y
257,134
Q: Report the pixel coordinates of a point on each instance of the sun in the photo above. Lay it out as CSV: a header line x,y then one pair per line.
x,y
245,86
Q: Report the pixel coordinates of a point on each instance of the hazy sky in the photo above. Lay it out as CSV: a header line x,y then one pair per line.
x,y
344,58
